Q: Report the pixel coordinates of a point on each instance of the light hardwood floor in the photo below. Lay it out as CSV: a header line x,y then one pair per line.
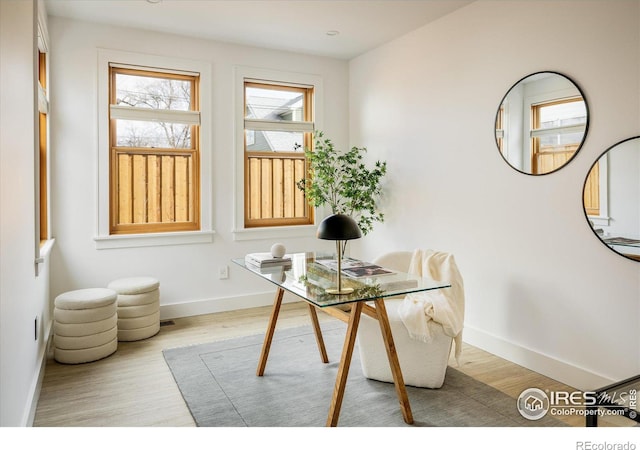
x,y
134,387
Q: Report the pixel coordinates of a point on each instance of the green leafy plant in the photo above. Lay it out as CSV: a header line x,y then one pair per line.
x,y
342,180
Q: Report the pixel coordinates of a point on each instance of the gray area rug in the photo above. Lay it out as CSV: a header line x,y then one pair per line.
x,y
219,385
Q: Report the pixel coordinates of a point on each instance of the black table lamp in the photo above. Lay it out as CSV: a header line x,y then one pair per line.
x,y
339,227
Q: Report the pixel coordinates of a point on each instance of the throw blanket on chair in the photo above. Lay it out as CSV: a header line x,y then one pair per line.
x,y
443,306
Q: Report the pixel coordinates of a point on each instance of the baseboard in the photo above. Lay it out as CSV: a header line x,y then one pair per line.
x,y
30,413
571,375
222,304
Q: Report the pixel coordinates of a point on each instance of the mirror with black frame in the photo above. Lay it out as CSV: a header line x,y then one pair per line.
x,y
541,123
611,198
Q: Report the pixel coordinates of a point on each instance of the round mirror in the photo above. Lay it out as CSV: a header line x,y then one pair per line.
x,y
541,123
611,198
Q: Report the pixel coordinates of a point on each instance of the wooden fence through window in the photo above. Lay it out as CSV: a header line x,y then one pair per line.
x,y
272,193
154,187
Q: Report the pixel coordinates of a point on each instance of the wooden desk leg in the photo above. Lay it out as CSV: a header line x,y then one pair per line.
x,y
268,337
318,332
345,362
398,380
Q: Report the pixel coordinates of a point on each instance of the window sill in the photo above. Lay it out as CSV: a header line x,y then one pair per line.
x,y
153,240
45,247
599,221
248,234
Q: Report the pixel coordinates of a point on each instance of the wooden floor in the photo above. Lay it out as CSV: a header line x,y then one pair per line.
x,y
134,387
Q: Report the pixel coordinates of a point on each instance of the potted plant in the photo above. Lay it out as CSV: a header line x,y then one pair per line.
x,y
342,180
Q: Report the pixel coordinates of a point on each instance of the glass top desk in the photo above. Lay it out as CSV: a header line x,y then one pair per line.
x,y
307,278
629,247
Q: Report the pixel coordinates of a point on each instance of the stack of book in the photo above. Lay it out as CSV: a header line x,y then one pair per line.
x,y
264,260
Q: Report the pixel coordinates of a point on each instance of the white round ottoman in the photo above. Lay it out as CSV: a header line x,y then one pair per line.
x,y
85,325
138,307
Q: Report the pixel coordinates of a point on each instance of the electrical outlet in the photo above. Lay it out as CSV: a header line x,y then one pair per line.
x,y
223,272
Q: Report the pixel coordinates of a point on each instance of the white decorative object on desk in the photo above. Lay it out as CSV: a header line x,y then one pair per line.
x,y
278,250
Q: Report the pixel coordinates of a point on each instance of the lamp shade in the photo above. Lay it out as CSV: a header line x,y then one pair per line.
x,y
338,227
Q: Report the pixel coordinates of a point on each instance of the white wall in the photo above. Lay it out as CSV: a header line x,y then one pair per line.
x,y
24,297
188,274
541,290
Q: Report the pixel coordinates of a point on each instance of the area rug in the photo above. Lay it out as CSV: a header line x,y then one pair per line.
x,y
219,385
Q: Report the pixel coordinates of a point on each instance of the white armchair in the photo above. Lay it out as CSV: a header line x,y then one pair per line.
x,y
423,364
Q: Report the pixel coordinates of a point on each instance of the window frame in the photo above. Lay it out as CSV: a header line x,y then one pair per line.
x,y
261,75
43,151
602,219
305,126
43,240
193,119
536,132
104,239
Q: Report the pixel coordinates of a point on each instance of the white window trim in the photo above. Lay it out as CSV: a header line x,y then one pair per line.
x,y
242,74
103,239
153,239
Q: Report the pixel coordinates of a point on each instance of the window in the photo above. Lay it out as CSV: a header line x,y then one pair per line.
x,y
592,191
43,144
42,236
154,150
596,193
278,126
500,129
557,130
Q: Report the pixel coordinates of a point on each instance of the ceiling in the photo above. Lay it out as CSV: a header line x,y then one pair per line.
x,y
291,25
